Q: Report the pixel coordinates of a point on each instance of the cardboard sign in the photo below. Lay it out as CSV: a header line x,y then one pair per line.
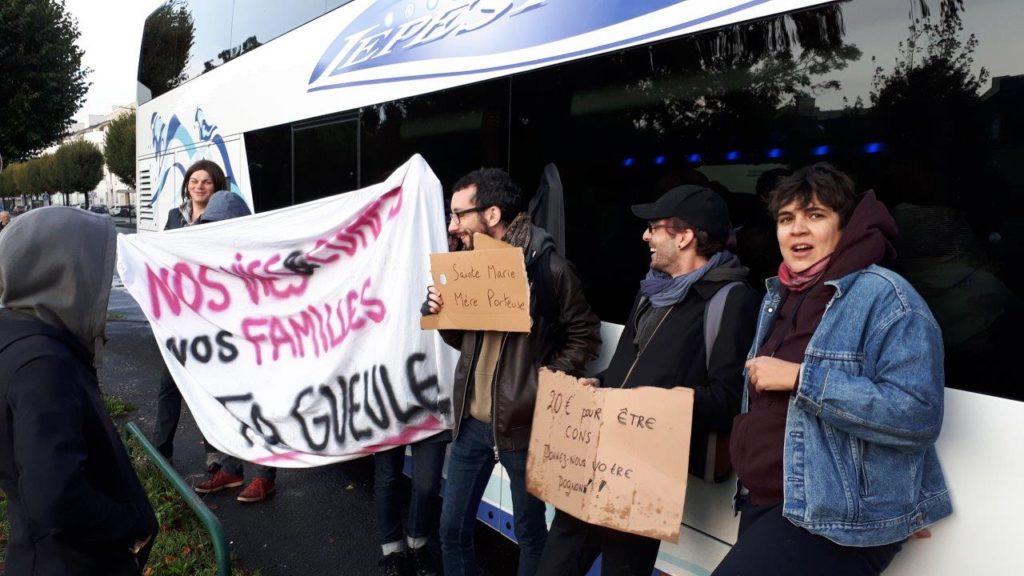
x,y
483,289
615,458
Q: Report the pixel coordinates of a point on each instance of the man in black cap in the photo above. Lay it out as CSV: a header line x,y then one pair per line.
x,y
679,333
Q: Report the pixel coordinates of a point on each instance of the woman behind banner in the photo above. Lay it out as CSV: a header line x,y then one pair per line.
x,y
206,198
201,180
835,449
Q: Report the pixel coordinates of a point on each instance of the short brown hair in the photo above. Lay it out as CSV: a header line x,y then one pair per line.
x,y
821,182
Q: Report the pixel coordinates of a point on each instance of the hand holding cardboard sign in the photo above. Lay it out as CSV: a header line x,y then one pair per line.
x,y
434,301
482,289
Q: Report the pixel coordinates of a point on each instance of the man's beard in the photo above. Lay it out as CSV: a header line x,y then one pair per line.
x,y
468,243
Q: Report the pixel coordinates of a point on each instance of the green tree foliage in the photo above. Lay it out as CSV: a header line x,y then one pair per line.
x,y
119,148
79,164
43,83
51,178
35,179
9,181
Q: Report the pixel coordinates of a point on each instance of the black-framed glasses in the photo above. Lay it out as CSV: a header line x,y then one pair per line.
x,y
651,227
457,214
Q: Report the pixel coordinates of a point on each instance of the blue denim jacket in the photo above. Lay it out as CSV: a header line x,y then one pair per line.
x,y
859,465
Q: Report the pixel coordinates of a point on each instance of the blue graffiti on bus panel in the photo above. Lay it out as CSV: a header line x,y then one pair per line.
x,y
402,31
173,134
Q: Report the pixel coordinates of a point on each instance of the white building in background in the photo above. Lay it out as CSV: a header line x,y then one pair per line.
x,y
111,190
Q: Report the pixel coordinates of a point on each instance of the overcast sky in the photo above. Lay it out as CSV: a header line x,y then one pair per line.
x,y
110,34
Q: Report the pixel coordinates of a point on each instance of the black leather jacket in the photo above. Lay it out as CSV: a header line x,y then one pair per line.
x,y
565,344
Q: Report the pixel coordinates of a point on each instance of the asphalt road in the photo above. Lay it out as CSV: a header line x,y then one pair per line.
x,y
320,521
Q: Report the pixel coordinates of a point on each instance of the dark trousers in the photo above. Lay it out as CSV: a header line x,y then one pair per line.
x,y
168,414
469,469
573,545
427,462
770,545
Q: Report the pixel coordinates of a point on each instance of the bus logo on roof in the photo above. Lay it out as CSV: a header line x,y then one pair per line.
x,y
395,40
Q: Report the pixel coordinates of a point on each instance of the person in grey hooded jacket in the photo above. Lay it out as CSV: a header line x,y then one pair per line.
x,y
75,505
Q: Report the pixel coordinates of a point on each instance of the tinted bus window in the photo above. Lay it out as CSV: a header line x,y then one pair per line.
x,y
325,159
166,43
923,110
455,130
211,40
269,153
257,22
185,38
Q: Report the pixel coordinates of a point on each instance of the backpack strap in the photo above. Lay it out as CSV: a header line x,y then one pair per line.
x,y
712,324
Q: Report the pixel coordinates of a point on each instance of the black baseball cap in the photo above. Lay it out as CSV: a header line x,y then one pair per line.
x,y
696,205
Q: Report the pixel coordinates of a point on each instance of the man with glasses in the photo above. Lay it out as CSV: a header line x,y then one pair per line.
x,y
693,284
496,376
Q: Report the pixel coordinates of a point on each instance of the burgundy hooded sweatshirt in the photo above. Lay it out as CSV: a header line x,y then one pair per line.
x,y
758,436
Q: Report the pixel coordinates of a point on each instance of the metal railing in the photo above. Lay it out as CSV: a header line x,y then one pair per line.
x,y
209,520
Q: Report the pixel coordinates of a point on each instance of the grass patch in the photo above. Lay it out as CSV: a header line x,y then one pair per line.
x,y
118,408
182,546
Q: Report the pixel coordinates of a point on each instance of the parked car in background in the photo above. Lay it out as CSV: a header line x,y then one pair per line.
x,y
99,209
123,211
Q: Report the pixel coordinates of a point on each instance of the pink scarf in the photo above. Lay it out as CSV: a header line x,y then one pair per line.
x,y
800,281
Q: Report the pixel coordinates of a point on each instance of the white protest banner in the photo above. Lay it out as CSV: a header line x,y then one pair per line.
x,y
611,457
294,334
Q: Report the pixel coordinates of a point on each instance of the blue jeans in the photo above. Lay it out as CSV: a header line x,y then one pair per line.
x,y
469,469
427,461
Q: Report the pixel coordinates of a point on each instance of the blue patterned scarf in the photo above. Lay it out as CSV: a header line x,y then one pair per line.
x,y
663,290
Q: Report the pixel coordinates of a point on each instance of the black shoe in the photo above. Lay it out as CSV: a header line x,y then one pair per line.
x,y
421,562
393,564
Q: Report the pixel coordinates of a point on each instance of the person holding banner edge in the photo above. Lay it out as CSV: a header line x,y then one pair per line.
x,y
665,343
206,198
496,375
405,552
201,180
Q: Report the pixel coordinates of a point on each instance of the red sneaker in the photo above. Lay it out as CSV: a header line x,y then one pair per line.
x,y
219,481
257,491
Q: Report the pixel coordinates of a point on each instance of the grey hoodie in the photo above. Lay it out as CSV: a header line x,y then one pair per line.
x,y
224,205
57,264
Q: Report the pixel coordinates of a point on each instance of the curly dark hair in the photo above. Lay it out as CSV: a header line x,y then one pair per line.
x,y
494,188
220,181
821,181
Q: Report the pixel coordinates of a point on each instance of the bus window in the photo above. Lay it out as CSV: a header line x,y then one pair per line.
x,y
325,159
455,130
269,153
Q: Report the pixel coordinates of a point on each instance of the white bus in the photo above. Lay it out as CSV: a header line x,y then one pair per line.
x,y
920,100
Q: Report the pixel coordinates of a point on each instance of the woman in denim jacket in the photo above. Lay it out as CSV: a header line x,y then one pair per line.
x,y
835,449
